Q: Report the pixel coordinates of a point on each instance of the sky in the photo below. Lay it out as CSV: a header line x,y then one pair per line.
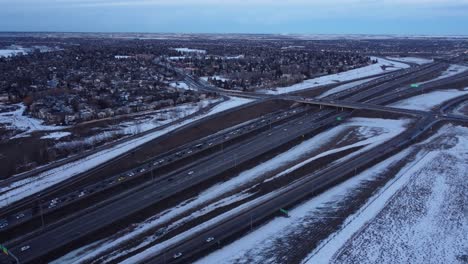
x,y
407,17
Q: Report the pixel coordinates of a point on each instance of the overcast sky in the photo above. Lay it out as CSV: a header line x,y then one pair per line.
x,y
433,17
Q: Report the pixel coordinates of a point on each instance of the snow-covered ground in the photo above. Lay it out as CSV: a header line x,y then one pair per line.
x,y
343,76
56,135
370,132
188,50
418,217
429,100
432,228
452,70
215,77
10,52
416,60
26,187
345,87
140,122
180,85
15,50
15,120
122,57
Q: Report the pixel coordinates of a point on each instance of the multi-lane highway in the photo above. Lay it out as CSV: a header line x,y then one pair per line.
x,y
183,251
205,162
166,186
55,199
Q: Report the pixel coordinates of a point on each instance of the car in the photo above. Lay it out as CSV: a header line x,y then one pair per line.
x,y
189,152
130,174
20,215
190,173
24,248
208,240
121,178
82,193
142,170
3,224
177,255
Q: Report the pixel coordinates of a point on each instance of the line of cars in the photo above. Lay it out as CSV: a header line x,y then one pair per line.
x,y
57,202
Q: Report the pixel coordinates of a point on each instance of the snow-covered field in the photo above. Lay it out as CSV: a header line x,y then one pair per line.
x,y
10,52
419,217
15,120
26,187
56,135
215,77
180,85
429,100
188,50
452,70
345,87
15,50
343,76
416,60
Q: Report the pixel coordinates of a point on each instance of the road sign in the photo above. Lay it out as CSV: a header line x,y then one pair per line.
x,y
339,118
414,85
4,249
284,211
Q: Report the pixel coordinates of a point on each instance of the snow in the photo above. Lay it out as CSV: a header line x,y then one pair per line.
x,y
343,76
234,57
452,70
122,57
10,52
18,121
249,248
26,187
14,50
188,50
416,60
56,135
180,85
418,217
429,100
373,133
216,77
345,87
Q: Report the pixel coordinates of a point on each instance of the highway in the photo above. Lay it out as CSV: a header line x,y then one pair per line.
x,y
288,196
167,186
266,134
54,200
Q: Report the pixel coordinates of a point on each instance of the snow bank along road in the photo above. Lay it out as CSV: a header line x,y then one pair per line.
x,y
243,145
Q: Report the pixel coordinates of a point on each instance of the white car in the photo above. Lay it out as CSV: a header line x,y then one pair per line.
x,y
20,215
177,255
3,224
190,173
24,248
208,240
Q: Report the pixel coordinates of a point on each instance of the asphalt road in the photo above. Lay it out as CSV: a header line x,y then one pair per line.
x,y
185,178
283,198
53,200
